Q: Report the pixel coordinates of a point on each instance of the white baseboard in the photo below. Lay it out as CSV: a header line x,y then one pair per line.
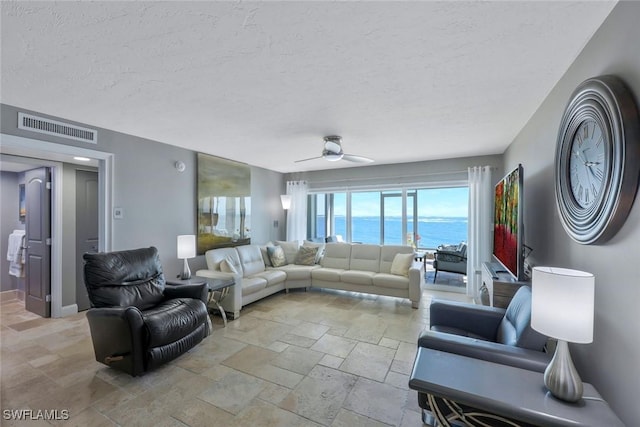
x,y
69,310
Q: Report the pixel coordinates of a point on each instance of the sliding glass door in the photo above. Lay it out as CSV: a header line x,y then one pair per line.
x,y
421,217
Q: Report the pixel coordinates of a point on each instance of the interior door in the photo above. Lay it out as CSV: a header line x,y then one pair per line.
x,y
38,240
86,228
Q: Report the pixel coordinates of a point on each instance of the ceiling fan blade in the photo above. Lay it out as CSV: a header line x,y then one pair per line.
x,y
356,159
305,160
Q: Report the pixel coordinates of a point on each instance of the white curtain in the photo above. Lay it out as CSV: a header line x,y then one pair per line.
x,y
480,222
297,215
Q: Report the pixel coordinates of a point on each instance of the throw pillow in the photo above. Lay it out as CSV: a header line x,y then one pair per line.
x,y
226,266
320,247
401,263
265,254
290,250
306,255
276,256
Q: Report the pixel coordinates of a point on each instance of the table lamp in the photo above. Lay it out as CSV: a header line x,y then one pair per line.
x,y
186,249
562,307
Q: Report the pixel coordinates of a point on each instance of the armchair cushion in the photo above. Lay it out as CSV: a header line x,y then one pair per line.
x,y
124,278
466,319
485,350
173,319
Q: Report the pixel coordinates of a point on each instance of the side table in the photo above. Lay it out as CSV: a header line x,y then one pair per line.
x,y
479,393
219,286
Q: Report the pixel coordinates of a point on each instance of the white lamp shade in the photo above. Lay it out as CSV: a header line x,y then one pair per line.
x,y
186,246
286,201
562,303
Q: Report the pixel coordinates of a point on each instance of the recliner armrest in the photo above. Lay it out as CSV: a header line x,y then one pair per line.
x,y
478,319
484,350
117,334
195,291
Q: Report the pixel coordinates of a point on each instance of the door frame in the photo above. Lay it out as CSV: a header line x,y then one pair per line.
x,y
38,149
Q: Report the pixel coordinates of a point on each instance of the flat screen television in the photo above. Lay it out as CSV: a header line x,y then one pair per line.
x,y
508,225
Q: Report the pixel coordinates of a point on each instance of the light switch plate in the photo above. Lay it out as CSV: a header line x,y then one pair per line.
x,y
118,213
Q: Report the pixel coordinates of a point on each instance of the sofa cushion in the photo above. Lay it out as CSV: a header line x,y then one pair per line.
x,y
387,280
272,276
251,285
388,253
298,272
290,249
327,274
306,255
336,255
358,277
251,259
276,255
365,258
401,263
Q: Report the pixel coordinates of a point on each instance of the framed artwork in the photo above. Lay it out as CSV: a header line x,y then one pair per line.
x,y
224,203
22,207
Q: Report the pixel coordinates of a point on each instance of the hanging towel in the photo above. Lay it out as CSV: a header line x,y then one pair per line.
x,y
15,253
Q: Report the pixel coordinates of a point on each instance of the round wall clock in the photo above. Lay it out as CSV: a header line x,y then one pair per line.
x,y
597,163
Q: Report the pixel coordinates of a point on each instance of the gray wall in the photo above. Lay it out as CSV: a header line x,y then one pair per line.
x,y
9,221
159,202
611,361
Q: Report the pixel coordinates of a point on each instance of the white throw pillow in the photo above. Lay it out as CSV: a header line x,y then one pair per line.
x,y
320,247
290,250
401,263
226,266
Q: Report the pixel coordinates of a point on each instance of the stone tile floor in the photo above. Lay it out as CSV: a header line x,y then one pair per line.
x,y
317,358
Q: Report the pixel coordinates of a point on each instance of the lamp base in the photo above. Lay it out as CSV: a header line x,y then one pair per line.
x,y
561,376
186,271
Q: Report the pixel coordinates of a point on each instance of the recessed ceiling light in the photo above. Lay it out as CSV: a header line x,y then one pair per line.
x,y
82,159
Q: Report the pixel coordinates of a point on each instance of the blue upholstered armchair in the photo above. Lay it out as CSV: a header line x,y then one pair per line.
x,y
493,334
450,258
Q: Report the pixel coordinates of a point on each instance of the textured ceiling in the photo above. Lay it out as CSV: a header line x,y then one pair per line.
x,y
263,82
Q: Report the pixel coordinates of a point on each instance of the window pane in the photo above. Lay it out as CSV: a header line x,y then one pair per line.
x,y
392,217
442,216
365,217
340,215
321,230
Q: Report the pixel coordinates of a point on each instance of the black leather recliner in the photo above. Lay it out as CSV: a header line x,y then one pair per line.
x,y
137,321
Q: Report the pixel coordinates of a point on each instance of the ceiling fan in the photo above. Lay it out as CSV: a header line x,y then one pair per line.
x,y
333,152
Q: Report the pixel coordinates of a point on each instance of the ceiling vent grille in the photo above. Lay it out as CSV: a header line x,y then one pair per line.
x,y
54,127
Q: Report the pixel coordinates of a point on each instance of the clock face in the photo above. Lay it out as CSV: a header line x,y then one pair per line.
x,y
597,163
586,163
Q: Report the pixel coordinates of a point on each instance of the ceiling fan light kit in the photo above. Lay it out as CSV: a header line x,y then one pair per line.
x,y
333,152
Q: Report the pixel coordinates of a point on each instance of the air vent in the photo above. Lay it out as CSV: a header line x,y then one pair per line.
x,y
54,127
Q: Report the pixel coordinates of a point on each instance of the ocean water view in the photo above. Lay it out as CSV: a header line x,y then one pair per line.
x,y
433,231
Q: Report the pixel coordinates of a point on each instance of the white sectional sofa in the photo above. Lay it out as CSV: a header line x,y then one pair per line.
x,y
351,267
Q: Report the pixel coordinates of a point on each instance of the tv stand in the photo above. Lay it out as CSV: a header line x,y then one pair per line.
x,y
499,285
